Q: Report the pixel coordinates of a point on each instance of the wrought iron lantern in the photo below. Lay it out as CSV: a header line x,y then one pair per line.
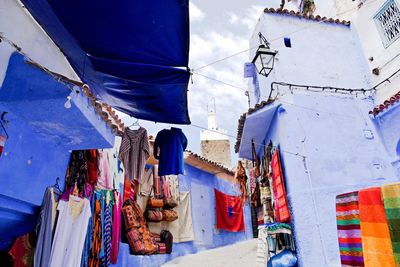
x,y
265,57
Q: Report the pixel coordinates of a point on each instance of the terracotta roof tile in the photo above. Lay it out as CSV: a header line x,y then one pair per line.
x,y
385,105
106,112
214,164
310,17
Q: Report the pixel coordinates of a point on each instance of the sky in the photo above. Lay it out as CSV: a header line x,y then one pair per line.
x,y
218,29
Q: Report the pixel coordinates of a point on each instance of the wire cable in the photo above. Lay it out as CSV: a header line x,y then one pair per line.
x,y
350,11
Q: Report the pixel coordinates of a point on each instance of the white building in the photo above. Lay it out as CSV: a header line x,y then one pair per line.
x,y
329,142
215,144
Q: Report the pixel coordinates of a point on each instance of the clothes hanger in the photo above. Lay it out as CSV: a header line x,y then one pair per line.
x,y
56,185
135,123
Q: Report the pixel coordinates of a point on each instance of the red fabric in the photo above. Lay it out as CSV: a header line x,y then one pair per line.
x,y
91,157
282,213
229,212
22,251
127,189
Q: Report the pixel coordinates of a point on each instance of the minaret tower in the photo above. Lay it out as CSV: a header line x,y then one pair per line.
x,y
215,144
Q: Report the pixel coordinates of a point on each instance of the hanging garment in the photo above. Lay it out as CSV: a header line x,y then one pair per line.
x,y
105,179
348,226
89,237
91,157
376,244
168,149
157,184
282,213
70,233
173,186
45,227
116,228
146,185
391,201
182,228
241,181
22,251
134,152
229,212
94,259
107,234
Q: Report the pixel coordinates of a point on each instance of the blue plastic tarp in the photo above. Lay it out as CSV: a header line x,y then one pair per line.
x,y
132,53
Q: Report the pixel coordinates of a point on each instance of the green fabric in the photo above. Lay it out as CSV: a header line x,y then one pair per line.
x,y
348,222
392,213
391,203
350,249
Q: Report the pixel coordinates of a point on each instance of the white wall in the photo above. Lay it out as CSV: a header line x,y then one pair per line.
x,y
339,157
373,47
323,54
17,25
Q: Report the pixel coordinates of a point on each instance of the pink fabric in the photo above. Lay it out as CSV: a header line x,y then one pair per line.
x,y
105,179
166,188
116,228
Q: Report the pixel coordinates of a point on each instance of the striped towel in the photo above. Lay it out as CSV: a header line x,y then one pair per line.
x,y
377,247
348,225
391,201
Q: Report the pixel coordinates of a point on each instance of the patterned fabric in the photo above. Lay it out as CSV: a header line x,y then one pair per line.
x,y
22,251
282,213
391,201
348,225
134,152
107,235
376,244
96,240
88,239
173,186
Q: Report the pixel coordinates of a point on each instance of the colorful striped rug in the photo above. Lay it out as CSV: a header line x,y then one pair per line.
x,y
348,225
376,243
391,201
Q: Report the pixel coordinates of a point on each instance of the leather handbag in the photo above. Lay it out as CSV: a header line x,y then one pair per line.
x,y
170,203
135,243
169,215
154,215
155,203
130,216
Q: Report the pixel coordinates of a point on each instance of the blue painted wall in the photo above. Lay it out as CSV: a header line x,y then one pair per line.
x,y
41,134
201,186
325,151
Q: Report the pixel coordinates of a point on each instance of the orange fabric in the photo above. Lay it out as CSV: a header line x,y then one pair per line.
x,y
347,217
376,243
94,260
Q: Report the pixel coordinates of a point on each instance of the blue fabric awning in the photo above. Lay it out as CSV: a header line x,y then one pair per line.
x,y
255,129
132,53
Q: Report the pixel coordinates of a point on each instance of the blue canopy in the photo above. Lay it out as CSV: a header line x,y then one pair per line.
x,y
132,53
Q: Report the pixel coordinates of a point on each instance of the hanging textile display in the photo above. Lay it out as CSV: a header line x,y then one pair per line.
x,y
168,149
377,247
134,152
391,201
2,143
70,232
229,212
22,251
349,233
282,212
45,227
241,181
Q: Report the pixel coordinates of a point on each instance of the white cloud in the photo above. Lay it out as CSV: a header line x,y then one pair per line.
x,y
196,14
250,18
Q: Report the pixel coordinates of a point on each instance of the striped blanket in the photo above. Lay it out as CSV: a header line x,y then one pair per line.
x,y
377,247
391,201
348,225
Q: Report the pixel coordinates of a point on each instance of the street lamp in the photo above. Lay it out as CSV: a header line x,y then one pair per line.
x,y
265,58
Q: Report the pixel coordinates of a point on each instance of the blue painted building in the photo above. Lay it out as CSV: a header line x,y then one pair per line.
x,y
329,141
200,179
41,134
